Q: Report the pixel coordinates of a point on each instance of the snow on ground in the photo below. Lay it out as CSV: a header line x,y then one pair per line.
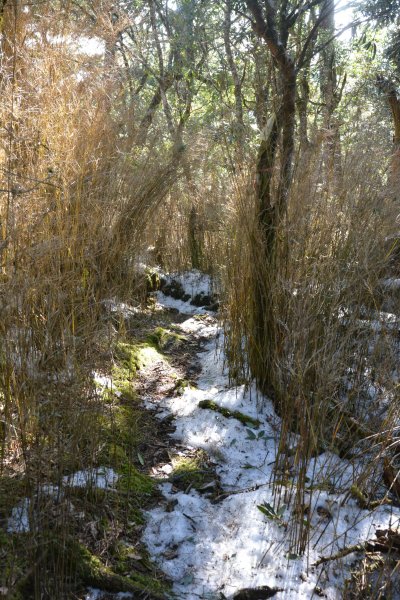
x,y
19,520
100,477
209,549
94,594
391,283
193,283
184,307
212,549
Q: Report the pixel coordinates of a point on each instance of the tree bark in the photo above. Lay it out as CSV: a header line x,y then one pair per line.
x,y
239,125
389,88
331,97
271,205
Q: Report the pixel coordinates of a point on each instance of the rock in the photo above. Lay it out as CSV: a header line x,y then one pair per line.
x,y
174,289
259,593
201,299
214,307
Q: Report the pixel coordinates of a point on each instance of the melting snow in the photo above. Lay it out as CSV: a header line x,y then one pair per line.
x,y
19,520
184,307
209,548
102,478
193,284
94,594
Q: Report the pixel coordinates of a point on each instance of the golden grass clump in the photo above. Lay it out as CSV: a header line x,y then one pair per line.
x,y
328,342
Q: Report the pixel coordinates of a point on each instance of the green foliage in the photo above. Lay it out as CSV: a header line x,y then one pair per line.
x,y
130,357
272,514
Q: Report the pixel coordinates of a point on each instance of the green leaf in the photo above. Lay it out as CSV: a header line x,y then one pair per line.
x,y
187,579
251,435
281,510
267,510
141,459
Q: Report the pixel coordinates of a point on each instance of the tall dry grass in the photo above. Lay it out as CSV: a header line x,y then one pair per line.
x,y
329,343
75,193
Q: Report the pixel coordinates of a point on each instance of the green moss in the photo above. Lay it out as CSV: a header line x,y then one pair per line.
x,y
191,470
130,358
181,385
200,317
91,571
134,356
363,501
230,414
114,455
122,431
131,480
128,557
152,280
165,338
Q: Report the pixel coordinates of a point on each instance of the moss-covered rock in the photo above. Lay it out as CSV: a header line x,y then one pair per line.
x,y
153,280
181,385
129,358
91,571
131,480
229,414
194,470
165,339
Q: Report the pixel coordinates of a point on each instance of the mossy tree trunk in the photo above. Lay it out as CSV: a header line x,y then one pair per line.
x,y
271,204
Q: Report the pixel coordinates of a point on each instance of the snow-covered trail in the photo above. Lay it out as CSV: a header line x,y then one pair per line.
x,y
214,549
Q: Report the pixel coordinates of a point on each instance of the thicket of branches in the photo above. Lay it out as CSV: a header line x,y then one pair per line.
x,y
241,138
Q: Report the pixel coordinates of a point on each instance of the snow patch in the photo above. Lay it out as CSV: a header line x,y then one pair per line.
x,y
19,520
209,548
183,307
102,478
95,594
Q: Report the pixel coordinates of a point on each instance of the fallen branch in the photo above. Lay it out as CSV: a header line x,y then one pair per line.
x,y
341,554
386,541
225,495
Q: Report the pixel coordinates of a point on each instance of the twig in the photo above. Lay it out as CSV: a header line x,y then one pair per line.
x,y
341,554
254,488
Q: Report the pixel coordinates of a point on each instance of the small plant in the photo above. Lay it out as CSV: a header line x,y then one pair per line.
x,y
260,435
272,514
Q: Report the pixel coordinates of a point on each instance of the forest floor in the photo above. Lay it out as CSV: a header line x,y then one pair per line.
x,y
220,530
194,514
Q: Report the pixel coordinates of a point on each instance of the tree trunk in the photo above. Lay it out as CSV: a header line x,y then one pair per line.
x,y
389,88
271,213
331,96
271,204
239,123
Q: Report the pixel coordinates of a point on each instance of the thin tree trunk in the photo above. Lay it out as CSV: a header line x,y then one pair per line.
x,y
239,123
389,88
271,207
331,96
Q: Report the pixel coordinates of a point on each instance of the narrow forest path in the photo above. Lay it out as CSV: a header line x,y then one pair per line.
x,y
180,502
215,533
